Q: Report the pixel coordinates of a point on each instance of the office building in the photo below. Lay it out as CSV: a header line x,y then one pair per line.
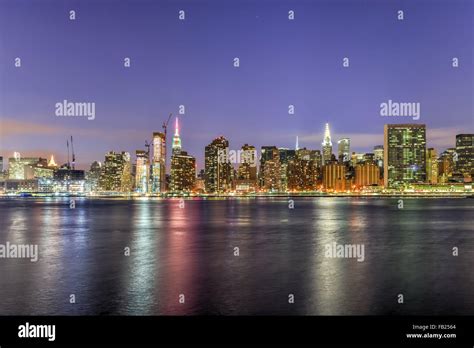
x,y
404,154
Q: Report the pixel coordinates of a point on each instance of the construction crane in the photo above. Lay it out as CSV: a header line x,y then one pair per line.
x,y
73,155
68,163
165,124
147,145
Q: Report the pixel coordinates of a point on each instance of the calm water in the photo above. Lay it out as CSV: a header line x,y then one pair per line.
x,y
190,251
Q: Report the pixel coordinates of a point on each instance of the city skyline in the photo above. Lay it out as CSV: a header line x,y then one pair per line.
x,y
170,66
62,159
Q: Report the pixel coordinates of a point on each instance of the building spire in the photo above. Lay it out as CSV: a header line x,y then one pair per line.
x,y
297,144
176,132
327,136
176,139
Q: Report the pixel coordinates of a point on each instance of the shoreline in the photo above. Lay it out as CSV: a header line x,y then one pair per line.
x,y
255,196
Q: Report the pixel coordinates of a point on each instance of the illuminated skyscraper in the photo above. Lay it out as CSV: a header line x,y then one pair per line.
x,y
404,154
158,166
183,167
142,172
183,172
176,148
93,176
303,170
286,156
270,175
20,167
116,174
446,165
465,154
327,145
217,167
431,166
344,150
246,180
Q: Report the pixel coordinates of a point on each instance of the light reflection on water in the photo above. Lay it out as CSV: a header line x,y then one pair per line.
x,y
190,251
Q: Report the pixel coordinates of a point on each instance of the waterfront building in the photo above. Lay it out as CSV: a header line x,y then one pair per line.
x,y
218,170
334,177
465,154
286,156
270,169
404,154
367,174
446,165
183,172
116,175
19,168
142,172
431,166
158,166
304,170
246,177
93,177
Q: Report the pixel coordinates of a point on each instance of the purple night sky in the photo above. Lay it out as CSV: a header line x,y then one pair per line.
x,y
190,62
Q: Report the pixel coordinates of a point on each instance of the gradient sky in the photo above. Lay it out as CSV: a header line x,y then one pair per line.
x,y
191,62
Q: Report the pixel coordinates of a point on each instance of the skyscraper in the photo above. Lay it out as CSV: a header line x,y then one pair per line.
x,y
327,145
142,172
93,176
18,166
464,159
116,174
158,167
344,150
446,165
404,154
286,156
270,176
176,147
431,166
217,167
183,167
183,172
303,170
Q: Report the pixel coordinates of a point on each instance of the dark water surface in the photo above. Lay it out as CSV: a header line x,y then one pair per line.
x,y
190,251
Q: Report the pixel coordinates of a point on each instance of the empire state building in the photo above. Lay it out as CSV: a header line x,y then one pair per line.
x,y
176,148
